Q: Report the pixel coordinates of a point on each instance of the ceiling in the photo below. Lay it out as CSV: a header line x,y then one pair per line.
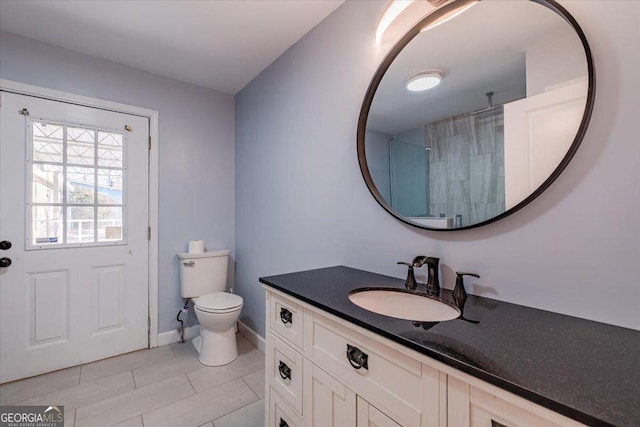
x,y
218,44
479,51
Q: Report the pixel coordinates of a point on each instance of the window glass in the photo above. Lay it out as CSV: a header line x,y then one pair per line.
x,y
77,190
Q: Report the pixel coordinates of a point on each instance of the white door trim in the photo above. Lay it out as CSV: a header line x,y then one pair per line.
x,y
26,89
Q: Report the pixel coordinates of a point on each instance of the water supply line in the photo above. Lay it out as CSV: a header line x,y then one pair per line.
x,y
184,309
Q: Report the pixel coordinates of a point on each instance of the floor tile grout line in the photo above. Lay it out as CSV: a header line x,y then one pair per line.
x,y
173,349
129,391
82,373
237,409
245,381
135,385
195,394
17,402
80,384
151,410
226,382
190,383
168,404
133,368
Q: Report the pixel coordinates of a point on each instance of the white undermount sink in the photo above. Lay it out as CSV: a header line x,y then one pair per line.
x,y
403,305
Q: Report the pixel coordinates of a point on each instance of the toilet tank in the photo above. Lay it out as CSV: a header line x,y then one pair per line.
x,y
203,273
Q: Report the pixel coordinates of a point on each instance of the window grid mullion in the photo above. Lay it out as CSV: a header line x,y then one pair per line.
x,y
95,185
64,184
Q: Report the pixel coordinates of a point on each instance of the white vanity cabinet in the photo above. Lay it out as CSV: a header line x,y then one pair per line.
x,y
369,416
473,403
328,402
322,371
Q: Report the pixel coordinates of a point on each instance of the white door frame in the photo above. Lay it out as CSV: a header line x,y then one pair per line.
x,y
152,115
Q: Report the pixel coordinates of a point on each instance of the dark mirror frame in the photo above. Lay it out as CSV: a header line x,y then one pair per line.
x,y
395,51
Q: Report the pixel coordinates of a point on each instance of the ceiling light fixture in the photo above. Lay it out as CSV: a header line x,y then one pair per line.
x,y
451,14
424,80
393,14
393,9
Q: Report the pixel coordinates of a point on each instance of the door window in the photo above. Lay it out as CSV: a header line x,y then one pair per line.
x,y
77,188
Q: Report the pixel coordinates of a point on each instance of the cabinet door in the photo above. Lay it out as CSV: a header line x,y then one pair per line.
x,y
328,403
279,413
370,416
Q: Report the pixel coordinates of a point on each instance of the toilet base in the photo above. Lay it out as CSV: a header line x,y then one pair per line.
x,y
216,348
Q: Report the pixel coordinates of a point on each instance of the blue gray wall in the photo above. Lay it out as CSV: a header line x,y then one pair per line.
x,y
301,202
196,151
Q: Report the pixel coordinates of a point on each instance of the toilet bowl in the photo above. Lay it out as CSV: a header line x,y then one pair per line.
x,y
203,278
217,313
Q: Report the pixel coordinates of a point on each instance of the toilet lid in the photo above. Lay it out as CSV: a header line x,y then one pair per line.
x,y
218,301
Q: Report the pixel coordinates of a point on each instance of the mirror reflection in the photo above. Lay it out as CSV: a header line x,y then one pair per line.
x,y
512,92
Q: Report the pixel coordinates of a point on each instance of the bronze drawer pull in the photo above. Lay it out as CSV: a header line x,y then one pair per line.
x,y
285,371
286,316
357,358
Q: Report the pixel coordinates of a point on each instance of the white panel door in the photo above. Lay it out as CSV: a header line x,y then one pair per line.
x,y
538,132
74,206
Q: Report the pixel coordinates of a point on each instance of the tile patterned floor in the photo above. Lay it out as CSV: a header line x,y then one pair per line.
x,y
164,386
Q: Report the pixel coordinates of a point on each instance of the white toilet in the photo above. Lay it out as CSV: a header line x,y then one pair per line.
x,y
203,278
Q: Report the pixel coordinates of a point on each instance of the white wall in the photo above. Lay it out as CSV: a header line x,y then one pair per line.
x,y
555,59
301,201
196,137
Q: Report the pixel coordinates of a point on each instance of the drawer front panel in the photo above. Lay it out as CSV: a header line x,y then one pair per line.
x,y
287,320
376,372
488,410
281,414
284,367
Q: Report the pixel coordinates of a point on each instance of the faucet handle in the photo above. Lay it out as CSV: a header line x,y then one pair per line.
x,y
459,293
419,260
410,282
462,273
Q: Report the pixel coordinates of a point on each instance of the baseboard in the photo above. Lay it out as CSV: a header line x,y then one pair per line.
x,y
165,338
251,336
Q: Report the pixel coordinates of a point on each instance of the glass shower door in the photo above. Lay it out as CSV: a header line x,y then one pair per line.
x,y
409,186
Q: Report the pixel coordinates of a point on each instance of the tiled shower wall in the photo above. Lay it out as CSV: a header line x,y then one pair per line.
x,y
466,166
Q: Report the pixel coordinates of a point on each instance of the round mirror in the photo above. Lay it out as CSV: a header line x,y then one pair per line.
x,y
468,120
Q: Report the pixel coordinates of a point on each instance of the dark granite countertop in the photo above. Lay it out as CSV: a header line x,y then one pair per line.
x,y
588,371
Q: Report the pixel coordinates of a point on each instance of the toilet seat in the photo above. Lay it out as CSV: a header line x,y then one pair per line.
x,y
218,302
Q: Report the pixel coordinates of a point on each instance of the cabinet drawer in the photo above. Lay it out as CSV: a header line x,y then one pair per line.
x,y
284,368
383,376
488,410
281,414
286,319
